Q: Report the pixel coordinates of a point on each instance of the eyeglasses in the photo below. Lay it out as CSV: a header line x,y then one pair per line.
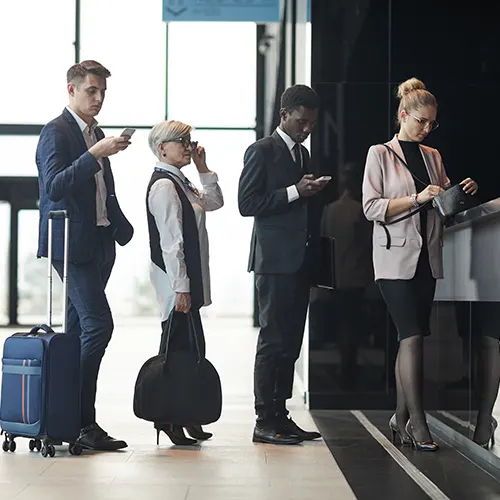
x,y
185,141
424,123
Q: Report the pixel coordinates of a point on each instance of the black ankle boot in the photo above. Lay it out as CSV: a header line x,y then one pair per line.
x,y
197,432
175,433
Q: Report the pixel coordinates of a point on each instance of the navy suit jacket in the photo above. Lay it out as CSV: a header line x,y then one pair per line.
x,y
66,179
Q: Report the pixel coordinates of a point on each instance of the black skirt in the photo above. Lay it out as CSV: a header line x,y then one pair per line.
x,y
410,301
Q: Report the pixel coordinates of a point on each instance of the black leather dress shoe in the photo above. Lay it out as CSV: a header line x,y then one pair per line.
x,y
272,436
93,437
288,426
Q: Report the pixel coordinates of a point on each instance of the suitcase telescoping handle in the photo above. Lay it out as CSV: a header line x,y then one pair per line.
x,y
52,215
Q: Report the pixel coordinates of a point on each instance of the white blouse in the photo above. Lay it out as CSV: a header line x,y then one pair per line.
x,y
165,206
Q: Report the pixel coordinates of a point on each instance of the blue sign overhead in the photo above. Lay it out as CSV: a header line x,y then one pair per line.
x,y
258,11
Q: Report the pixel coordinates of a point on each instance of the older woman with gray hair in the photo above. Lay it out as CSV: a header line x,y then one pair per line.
x,y
179,243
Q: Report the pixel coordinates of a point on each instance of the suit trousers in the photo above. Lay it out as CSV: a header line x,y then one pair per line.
x,y
89,315
283,300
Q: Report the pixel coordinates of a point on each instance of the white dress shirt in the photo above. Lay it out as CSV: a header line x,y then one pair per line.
x,y
165,206
291,191
90,139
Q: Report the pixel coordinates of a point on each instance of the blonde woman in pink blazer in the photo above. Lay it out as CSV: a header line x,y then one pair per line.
x,y
407,256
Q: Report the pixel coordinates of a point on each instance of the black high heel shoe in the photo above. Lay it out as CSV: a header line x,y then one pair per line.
x,y
197,432
420,445
491,437
175,433
395,431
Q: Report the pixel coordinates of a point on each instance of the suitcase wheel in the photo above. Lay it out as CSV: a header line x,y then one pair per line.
x,y
75,449
48,450
35,444
9,444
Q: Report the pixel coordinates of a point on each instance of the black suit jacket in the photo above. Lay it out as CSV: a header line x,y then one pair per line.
x,y
66,178
284,234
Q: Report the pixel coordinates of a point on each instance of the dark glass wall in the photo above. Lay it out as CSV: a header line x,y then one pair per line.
x,y
362,50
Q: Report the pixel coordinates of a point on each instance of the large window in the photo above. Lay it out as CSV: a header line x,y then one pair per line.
x,y
36,40
212,74
129,39
210,84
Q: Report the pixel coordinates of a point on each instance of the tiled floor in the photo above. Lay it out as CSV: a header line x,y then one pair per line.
x,y
229,467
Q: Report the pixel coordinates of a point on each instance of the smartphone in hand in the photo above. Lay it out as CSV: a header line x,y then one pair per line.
x,y
127,132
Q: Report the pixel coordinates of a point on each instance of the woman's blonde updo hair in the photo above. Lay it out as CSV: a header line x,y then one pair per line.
x,y
412,95
166,131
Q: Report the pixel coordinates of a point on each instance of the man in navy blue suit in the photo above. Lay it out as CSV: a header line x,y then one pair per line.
x,y
75,175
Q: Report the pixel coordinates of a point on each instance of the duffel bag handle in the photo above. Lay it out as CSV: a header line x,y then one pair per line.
x,y
166,334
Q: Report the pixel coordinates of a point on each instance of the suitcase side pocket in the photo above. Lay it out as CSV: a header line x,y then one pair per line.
x,y
21,392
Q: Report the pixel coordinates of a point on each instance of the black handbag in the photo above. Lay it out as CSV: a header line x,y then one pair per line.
x,y
450,202
179,387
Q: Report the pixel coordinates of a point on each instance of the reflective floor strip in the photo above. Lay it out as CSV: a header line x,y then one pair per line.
x,y
421,479
457,420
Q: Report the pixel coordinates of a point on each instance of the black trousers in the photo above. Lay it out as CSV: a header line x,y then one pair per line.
x,y
283,301
179,338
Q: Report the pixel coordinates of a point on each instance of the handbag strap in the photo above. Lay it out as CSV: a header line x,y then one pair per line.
x,y
167,332
408,215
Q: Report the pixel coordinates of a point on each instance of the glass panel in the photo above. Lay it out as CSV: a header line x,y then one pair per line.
x,y
212,74
134,54
17,155
37,42
4,260
129,290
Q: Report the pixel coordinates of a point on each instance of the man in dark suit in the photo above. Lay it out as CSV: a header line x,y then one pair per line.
x,y
278,190
75,175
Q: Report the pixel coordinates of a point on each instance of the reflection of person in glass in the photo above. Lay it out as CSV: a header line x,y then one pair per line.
x,y
344,221
179,243
407,256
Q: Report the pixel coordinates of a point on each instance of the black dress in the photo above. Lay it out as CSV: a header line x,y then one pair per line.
x,y
410,301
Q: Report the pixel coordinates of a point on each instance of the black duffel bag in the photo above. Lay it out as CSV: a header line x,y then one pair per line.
x,y
179,387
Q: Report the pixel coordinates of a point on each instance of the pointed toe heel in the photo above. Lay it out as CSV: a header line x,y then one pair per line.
x,y
175,434
420,445
196,432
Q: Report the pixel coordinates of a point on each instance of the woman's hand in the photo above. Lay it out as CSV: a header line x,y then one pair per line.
x,y
182,302
429,193
199,158
469,186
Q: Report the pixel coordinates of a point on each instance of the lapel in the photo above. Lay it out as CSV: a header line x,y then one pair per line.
x,y
75,130
283,154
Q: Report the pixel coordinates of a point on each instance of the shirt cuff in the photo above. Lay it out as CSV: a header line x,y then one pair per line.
x,y
208,178
292,193
181,285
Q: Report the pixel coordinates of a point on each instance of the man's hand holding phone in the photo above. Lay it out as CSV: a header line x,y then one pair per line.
x,y
309,186
111,145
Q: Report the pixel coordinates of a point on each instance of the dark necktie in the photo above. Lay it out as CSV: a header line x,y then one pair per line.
x,y
298,156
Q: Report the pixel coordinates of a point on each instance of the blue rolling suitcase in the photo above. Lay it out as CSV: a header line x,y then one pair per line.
x,y
40,396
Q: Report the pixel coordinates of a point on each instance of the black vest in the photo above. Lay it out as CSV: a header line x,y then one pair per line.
x,y
191,240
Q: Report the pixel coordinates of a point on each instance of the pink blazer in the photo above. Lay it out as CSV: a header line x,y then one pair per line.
x,y
386,178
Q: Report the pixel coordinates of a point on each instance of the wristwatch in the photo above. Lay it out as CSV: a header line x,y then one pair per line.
x,y
413,198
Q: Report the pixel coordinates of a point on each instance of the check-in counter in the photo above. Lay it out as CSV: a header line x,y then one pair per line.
x,y
466,309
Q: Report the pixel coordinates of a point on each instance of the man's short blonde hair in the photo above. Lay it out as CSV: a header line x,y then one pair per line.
x,y
166,131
